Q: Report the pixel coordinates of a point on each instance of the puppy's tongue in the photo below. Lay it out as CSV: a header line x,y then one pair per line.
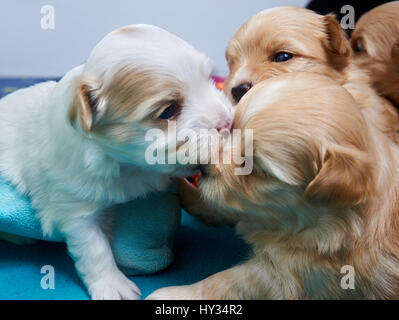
x,y
194,179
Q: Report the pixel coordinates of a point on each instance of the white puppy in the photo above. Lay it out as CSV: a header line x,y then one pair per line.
x,y
78,146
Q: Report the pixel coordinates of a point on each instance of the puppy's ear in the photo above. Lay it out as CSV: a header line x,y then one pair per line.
x,y
86,103
345,178
336,43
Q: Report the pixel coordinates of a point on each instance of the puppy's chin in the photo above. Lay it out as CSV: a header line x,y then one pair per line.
x,y
211,188
215,186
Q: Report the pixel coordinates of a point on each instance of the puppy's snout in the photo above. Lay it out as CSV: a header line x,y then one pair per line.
x,y
239,91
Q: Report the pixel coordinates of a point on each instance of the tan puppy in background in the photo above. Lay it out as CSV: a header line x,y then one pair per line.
x,y
322,196
288,39
376,45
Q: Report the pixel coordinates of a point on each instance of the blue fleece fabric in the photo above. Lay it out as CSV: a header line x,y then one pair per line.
x,y
144,229
199,252
143,243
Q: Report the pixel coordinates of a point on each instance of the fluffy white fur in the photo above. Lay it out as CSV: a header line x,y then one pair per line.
x,y
69,165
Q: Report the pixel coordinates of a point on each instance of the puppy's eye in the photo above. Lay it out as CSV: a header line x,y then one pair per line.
x,y
169,112
282,56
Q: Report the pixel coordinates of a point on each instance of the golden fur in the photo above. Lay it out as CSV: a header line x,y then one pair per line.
x,y
318,44
323,194
376,45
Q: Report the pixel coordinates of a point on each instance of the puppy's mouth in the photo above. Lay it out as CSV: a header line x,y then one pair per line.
x,y
202,173
203,170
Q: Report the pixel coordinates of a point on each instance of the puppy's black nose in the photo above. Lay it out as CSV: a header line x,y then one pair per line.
x,y
239,91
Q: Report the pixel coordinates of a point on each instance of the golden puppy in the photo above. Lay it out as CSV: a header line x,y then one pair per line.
x,y
288,39
376,45
320,203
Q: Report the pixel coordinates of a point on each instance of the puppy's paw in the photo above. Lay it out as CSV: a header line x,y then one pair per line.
x,y
177,293
115,286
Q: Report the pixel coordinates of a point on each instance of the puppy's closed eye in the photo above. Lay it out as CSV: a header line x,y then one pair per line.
x,y
358,46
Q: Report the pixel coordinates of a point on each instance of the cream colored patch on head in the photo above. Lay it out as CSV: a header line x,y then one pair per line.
x,y
135,98
136,94
127,29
